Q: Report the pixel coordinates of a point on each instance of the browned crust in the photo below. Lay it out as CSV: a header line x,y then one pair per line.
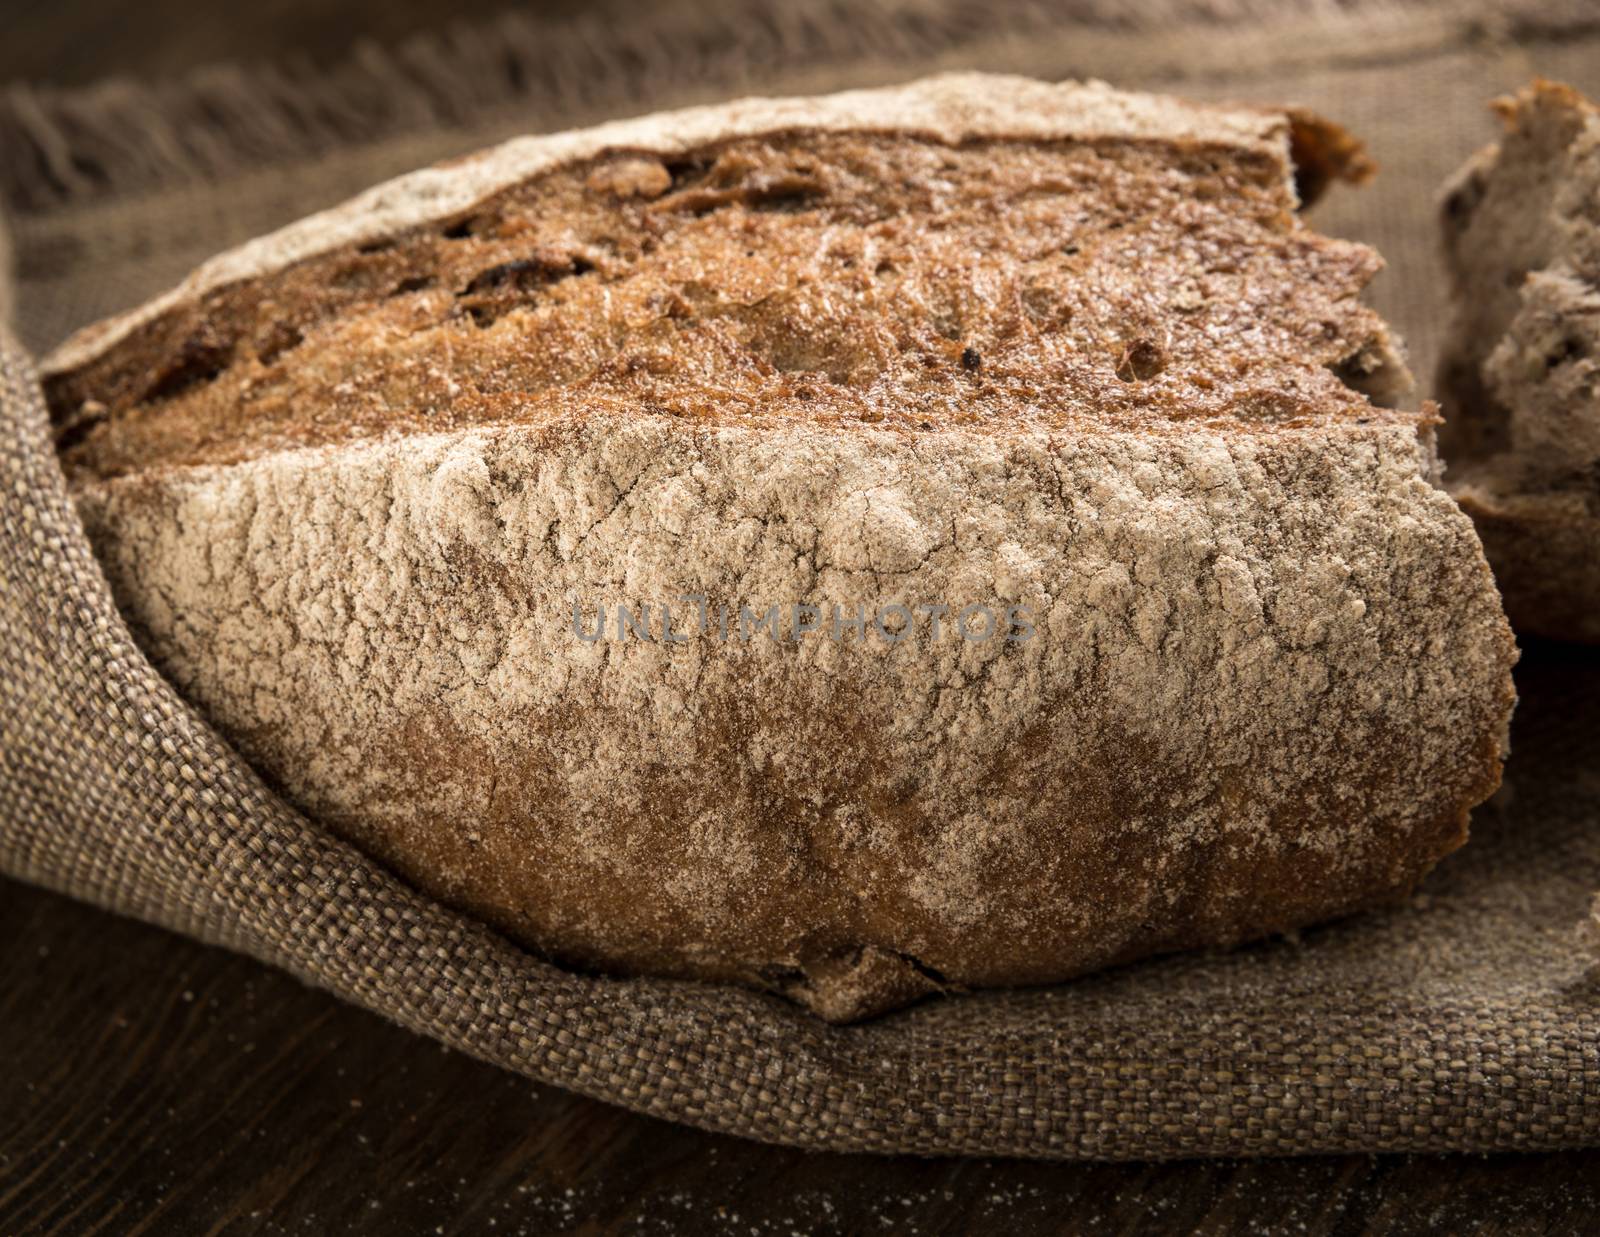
x,y
836,278
1545,549
952,108
1324,153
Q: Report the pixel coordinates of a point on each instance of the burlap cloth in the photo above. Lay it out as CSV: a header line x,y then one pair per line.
x,y
1468,1020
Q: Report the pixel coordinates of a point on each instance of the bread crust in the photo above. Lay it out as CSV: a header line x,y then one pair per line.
x,y
949,108
1265,679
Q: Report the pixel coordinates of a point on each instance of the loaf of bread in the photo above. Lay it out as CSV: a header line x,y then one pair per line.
x,y
921,539
1520,377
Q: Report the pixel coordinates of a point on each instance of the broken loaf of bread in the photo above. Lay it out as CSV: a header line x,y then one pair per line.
x,y
930,538
1521,372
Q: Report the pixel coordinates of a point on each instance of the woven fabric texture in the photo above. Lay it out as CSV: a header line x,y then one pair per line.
x,y
1467,1020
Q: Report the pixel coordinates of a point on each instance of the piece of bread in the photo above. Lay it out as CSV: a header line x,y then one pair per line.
x,y
1054,355
1520,377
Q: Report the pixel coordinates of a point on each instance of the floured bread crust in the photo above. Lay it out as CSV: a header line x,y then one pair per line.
x,y
1243,667
1521,372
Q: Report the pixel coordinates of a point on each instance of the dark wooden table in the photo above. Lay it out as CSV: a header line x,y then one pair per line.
x,y
152,1085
